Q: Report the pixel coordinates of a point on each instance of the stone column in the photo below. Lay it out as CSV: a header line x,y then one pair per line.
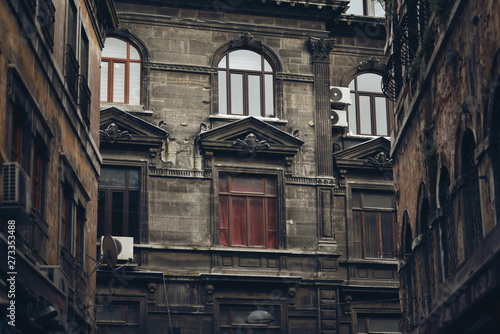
x,y
320,49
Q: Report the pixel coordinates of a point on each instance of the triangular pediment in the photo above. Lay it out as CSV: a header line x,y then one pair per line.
x,y
370,154
120,127
249,135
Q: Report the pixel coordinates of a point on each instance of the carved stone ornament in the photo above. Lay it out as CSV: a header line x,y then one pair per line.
x,y
380,160
246,39
371,64
112,133
251,143
320,48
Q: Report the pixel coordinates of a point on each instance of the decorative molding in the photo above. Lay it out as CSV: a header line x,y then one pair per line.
x,y
178,173
180,68
251,143
380,160
288,166
112,133
320,48
294,77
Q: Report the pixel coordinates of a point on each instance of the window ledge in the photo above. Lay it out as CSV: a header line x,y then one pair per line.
x,y
393,262
131,108
273,120
353,136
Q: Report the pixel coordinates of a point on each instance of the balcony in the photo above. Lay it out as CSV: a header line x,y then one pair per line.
x,y
80,285
67,263
46,18
84,97
72,71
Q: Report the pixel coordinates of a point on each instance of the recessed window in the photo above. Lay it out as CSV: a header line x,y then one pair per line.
x,y
118,212
369,112
248,210
373,219
251,318
246,84
120,72
366,8
378,324
119,317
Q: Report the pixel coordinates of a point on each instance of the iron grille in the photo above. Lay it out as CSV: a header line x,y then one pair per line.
x,y
72,71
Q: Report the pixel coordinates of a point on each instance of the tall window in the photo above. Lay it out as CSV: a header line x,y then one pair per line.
x,y
246,84
119,317
38,177
366,8
248,210
378,323
120,72
369,112
373,216
118,212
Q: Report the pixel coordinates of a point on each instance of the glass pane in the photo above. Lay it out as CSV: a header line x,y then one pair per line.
x,y
104,81
356,199
245,60
269,95
114,48
271,186
112,177
247,184
365,115
222,93
117,213
353,127
357,235
222,63
361,323
101,211
371,234
267,66
387,229
381,116
133,314
238,220
369,82
223,212
254,95
133,178
236,94
119,82
384,324
133,215
356,7
271,222
256,220
223,182
377,200
351,84
111,312
135,84
134,54
379,10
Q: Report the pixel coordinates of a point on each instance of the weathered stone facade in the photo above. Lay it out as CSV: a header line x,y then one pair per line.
x,y
445,151
183,276
50,53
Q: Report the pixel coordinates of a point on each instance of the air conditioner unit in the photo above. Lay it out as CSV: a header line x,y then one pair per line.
x,y
340,97
339,117
124,248
16,185
57,276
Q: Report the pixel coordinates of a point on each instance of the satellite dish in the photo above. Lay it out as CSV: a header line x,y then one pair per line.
x,y
109,251
336,94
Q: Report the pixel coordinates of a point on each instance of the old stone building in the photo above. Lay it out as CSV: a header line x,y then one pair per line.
x,y
443,73
50,51
245,195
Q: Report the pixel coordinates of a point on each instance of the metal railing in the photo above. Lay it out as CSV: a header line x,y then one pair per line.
x,y
84,98
72,71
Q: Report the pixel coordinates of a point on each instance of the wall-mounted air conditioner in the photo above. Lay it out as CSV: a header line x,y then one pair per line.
x,y
124,248
57,276
16,185
339,117
340,97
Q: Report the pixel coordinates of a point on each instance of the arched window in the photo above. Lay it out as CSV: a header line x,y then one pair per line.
x,y
366,8
246,84
120,72
369,112
473,232
447,224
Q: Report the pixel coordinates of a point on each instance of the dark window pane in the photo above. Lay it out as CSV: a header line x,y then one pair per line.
x,y
133,178
384,324
133,212
356,199
377,200
357,254
387,229
271,222
254,101
101,213
223,211
236,94
247,184
117,213
361,323
238,220
272,186
256,221
370,219
223,183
